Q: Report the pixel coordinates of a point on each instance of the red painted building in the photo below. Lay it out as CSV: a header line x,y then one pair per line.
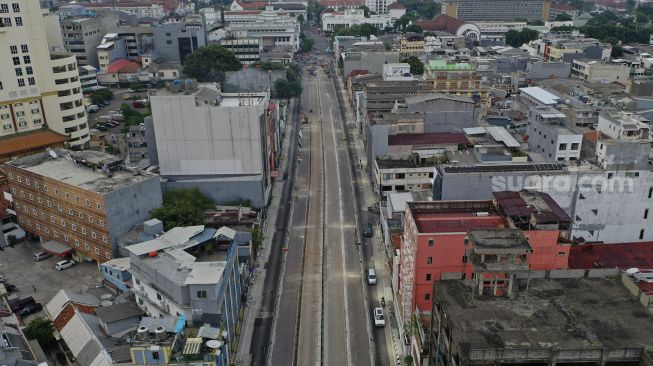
x,y
436,241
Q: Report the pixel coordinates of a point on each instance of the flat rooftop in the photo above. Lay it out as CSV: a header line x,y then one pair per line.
x,y
574,314
491,240
209,93
444,138
82,169
527,203
453,222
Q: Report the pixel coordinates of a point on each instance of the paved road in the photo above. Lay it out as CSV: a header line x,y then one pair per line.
x,y
323,294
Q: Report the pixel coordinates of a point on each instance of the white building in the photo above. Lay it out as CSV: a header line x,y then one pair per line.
x,y
140,9
623,141
348,18
272,27
397,72
600,72
549,135
214,141
380,6
88,77
37,87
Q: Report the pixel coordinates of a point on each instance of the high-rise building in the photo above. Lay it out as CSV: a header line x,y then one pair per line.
x,y
83,34
38,88
497,10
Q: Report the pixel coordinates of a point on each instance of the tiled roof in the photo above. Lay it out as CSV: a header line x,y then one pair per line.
x,y
328,3
442,22
565,7
29,141
124,66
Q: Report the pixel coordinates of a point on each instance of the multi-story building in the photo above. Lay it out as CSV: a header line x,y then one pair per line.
x,y
600,72
139,40
497,10
192,276
145,9
401,175
38,88
348,18
175,41
455,78
550,135
248,50
411,45
111,48
79,201
558,9
88,77
449,29
217,142
340,5
380,6
623,141
82,35
470,329
274,28
439,236
136,144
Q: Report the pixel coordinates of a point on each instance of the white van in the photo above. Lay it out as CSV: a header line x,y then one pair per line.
x,y
371,276
61,265
41,256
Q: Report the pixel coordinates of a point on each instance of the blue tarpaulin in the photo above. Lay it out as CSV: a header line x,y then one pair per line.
x,y
181,323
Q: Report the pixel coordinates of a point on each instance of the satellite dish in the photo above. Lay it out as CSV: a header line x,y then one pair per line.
x,y
632,271
53,154
213,344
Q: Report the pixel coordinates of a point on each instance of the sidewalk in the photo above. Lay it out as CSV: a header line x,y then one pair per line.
x,y
254,295
368,199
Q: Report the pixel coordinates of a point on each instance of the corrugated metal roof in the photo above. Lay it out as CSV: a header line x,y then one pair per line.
x,y
500,134
192,346
541,95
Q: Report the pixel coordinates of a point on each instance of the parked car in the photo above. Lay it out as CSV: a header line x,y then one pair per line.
x,y
100,128
16,304
9,288
371,276
379,319
138,104
92,108
2,278
30,309
41,256
368,231
61,265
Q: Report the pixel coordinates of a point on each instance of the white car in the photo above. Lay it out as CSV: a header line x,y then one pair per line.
x,y
379,319
61,265
371,276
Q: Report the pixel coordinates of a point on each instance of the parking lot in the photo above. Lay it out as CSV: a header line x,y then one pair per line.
x,y
40,279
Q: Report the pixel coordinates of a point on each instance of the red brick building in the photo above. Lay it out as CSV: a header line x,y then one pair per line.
x,y
79,201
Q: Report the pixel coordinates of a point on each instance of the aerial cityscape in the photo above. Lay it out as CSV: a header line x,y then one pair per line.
x,y
326,182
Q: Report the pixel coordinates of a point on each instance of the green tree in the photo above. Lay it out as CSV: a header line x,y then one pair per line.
x,y
518,38
366,11
314,10
631,5
182,207
424,9
257,237
536,22
101,95
283,89
367,30
617,51
209,63
135,86
307,44
564,17
412,28
416,66
300,19
132,116
40,329
404,20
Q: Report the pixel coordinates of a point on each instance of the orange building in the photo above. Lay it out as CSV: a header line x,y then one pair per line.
x,y
78,202
456,240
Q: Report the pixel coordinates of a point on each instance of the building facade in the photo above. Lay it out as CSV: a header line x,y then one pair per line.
x,y
217,142
82,35
175,41
348,18
81,200
549,135
497,10
38,88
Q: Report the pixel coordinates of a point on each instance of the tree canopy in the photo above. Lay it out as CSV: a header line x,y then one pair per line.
x,y
307,44
291,86
41,330
422,8
209,63
412,28
101,95
518,38
416,66
404,20
182,207
357,30
564,17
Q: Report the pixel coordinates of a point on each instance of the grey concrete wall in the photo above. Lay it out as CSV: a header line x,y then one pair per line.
x,y
541,70
144,273
222,191
531,275
251,80
121,325
131,205
445,115
451,276
628,155
167,38
567,273
377,141
512,64
602,272
209,305
371,61
150,139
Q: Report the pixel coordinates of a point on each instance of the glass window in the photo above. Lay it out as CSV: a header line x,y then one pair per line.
x,y
16,60
19,21
15,7
23,48
27,60
13,49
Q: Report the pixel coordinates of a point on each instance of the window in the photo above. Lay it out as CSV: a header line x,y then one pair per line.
x,y
429,260
31,81
16,60
76,242
65,237
81,215
646,214
561,254
73,226
59,208
90,218
21,82
108,256
19,21
4,8
15,7
641,234
650,192
158,296
102,223
83,231
428,276
562,147
13,49
104,239
97,251
574,146
427,297
431,242
464,259
7,22
93,235
155,354
23,48
71,212
27,60
97,205
201,294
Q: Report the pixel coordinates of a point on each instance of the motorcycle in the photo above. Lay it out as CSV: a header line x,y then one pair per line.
x,y
383,301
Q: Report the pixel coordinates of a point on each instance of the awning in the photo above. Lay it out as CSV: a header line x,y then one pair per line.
x,y
56,248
